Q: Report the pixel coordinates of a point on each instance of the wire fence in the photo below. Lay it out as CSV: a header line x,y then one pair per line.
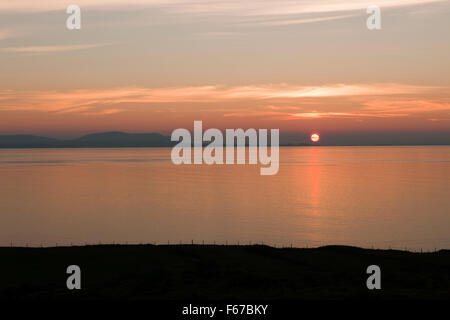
x,y
401,245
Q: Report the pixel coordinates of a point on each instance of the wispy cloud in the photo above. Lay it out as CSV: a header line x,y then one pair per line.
x,y
407,105
230,13
217,7
275,101
50,49
211,93
284,22
286,7
286,91
313,115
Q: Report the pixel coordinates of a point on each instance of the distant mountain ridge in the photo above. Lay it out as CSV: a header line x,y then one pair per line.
x,y
28,141
114,139
117,139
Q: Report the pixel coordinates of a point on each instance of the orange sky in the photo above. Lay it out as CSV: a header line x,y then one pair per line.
x,y
154,66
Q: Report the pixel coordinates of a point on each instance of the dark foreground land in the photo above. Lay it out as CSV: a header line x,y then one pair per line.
x,y
203,272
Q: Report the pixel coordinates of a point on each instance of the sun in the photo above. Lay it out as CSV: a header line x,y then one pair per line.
x,y
315,137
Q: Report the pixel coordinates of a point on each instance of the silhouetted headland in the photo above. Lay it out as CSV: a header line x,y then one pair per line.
x,y
118,139
214,272
95,140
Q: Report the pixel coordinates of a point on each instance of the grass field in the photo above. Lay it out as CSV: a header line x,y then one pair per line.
x,y
210,272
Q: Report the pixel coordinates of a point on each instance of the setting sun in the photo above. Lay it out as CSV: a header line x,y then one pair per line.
x,y
315,137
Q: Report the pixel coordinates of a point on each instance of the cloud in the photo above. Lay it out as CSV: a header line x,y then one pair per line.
x,y
50,49
313,115
296,21
275,101
316,115
286,7
407,105
213,93
216,7
286,91
229,13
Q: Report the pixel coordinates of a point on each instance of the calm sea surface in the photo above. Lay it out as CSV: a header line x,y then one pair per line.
x,y
366,196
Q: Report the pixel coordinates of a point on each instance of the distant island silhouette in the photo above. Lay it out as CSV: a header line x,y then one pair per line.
x,y
96,140
117,139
